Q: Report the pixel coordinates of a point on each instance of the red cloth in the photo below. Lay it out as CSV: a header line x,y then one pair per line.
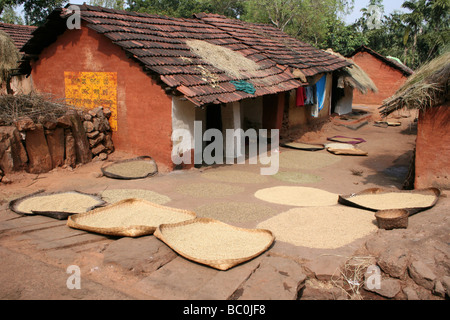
x,y
301,96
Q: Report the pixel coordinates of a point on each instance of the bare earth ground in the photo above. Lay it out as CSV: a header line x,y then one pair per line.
x,y
35,251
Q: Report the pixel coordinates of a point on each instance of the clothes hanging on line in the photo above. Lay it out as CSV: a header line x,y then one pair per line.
x,y
309,91
301,96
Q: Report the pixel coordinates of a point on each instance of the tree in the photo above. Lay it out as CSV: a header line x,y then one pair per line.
x,y
111,4
35,10
10,15
308,20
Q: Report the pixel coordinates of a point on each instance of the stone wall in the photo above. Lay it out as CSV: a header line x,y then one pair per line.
x,y
77,137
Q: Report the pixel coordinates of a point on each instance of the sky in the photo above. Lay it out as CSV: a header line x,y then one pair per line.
x,y
389,7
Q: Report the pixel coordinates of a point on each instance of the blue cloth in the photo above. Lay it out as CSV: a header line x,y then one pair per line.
x,y
245,86
320,90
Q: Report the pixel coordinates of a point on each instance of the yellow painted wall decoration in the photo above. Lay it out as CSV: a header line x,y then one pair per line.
x,y
91,90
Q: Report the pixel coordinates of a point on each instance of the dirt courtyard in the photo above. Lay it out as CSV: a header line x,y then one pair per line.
x,y
35,251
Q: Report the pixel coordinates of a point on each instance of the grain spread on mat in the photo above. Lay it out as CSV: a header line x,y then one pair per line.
x,y
393,200
321,227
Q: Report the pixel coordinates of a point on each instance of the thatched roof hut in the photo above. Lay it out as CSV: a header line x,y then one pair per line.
x,y
427,87
354,77
9,56
428,91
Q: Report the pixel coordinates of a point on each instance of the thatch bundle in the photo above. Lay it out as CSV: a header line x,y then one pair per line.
x,y
427,87
9,56
354,77
231,62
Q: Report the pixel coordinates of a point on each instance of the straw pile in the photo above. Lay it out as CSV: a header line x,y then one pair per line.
x,y
301,160
213,242
116,195
9,56
427,87
235,176
321,227
235,212
297,196
232,62
393,200
72,202
208,190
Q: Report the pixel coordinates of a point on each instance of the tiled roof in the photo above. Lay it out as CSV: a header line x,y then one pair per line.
x,y
18,33
399,66
159,44
277,45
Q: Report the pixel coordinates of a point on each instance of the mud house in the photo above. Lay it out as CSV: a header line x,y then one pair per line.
x,y
428,91
387,74
158,74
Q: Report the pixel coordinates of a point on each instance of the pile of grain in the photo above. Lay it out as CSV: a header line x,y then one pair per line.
x,y
301,160
116,195
235,212
394,200
208,190
132,213
321,227
235,176
72,202
297,196
214,240
297,177
132,169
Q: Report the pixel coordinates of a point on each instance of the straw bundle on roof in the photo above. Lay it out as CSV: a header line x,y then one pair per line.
x,y
354,77
427,87
233,63
9,56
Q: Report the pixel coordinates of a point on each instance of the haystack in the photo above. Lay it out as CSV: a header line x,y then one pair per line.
x,y
354,77
9,56
427,87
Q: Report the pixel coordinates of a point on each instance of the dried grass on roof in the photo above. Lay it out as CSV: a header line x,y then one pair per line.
x,y
231,62
354,77
9,56
427,87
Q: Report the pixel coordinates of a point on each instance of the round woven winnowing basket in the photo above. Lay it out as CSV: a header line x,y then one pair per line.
x,y
128,218
214,243
128,170
60,210
392,219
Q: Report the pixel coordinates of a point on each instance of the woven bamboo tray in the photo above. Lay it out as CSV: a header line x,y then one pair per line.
x,y
303,146
344,139
347,199
60,215
348,152
107,169
214,236
109,221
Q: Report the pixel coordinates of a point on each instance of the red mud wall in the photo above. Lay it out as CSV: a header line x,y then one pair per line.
x,y
433,148
386,78
144,111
